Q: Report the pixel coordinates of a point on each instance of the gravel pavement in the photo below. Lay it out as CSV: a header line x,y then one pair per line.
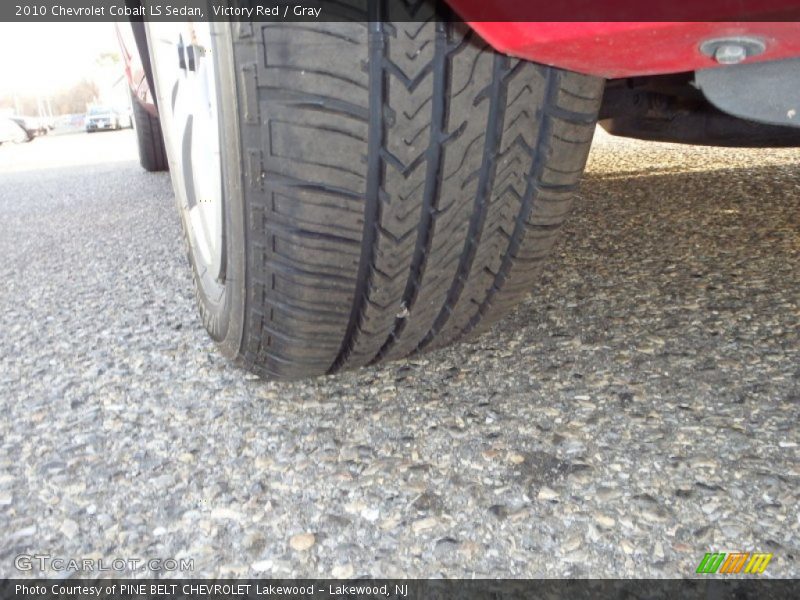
x,y
639,410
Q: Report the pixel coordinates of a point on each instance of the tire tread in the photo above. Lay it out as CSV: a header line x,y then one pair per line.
x,y
152,153
401,198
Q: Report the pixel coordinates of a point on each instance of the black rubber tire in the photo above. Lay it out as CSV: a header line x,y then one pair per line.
x,y
152,155
400,185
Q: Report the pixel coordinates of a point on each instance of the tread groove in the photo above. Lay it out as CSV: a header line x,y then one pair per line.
x,y
495,121
432,184
538,165
377,82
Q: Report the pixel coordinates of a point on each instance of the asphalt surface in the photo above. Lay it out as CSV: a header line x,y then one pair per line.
x,y
639,410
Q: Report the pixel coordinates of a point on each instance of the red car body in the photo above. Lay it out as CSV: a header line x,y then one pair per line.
x,y
627,38
613,50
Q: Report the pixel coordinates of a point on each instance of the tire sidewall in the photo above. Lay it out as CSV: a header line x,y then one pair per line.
x,y
225,319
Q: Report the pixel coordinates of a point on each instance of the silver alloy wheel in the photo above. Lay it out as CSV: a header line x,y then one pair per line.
x,y
186,86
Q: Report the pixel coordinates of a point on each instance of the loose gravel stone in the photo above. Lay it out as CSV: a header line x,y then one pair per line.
x,y
423,525
302,541
605,521
547,494
343,571
69,528
261,566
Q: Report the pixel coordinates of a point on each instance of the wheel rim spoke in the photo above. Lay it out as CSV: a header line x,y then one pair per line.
x,y
184,73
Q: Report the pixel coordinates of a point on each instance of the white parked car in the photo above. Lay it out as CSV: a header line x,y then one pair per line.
x,y
13,130
100,118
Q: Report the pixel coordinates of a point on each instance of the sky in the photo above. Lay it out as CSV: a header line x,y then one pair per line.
x,y
41,58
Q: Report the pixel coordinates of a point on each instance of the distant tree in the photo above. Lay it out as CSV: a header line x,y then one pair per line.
x,y
71,100
76,98
23,105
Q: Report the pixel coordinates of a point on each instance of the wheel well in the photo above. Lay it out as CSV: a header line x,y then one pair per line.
x,y
671,108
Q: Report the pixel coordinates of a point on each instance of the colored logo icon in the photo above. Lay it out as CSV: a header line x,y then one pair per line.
x,y
734,562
